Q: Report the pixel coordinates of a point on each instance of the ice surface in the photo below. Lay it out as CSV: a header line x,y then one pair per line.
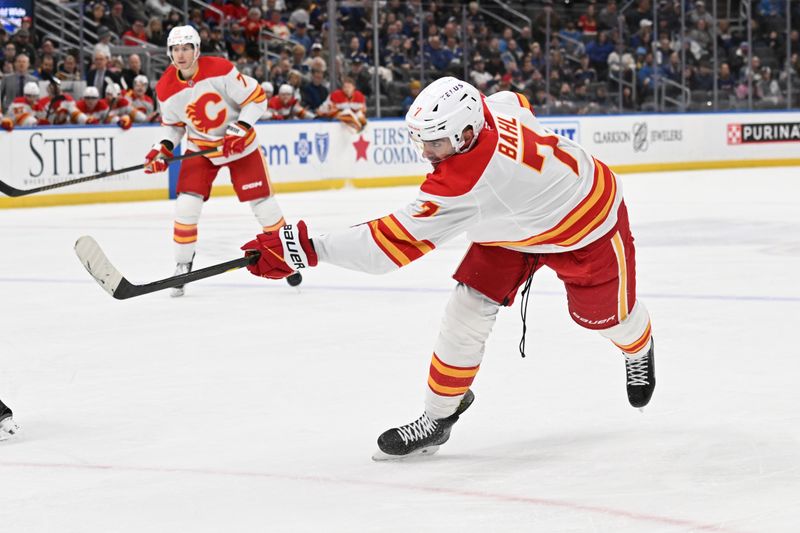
x,y
249,406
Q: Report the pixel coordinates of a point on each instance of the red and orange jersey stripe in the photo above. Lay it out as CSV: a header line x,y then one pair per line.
x,y
448,380
638,344
523,101
585,217
257,96
397,242
184,233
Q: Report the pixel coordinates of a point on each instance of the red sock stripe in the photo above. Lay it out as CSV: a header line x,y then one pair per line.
x,y
184,233
448,380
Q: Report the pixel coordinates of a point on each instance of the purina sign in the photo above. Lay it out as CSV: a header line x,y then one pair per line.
x,y
778,132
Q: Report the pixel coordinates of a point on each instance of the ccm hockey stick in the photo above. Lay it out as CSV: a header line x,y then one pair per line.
x,y
8,190
115,284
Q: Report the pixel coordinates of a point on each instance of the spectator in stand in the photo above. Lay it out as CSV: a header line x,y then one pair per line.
x,y
478,75
587,23
47,68
360,76
100,75
277,26
196,18
700,38
103,45
414,87
159,8
48,48
585,74
135,10
214,13
643,37
437,55
252,24
97,17
608,19
9,53
155,32
216,43
703,79
598,52
234,10
24,46
300,35
633,17
116,21
173,19
68,68
355,50
133,69
299,61
236,43
725,80
295,81
13,85
699,13
315,91
136,35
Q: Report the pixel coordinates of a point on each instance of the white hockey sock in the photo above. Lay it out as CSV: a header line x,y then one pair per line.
x,y
268,213
632,335
187,215
467,323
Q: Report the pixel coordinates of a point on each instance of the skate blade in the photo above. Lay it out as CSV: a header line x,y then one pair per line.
x,y
382,456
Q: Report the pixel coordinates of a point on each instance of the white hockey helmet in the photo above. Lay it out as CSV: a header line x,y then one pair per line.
x,y
183,35
141,79
286,89
268,88
31,89
113,90
91,92
443,110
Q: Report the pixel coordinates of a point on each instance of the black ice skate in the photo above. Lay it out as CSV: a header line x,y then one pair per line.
x,y
8,427
422,437
641,376
295,279
181,268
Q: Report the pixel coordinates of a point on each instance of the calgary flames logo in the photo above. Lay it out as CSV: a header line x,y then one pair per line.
x,y
426,209
198,113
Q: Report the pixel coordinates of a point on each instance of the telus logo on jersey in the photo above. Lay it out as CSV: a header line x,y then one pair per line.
x,y
203,118
70,156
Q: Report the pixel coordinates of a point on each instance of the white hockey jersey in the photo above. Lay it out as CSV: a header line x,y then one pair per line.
x,y
203,106
520,187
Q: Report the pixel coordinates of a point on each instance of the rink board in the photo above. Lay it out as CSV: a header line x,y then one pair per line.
x,y
315,155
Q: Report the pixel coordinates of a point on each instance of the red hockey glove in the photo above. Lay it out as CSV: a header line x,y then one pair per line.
x,y
155,159
235,138
7,124
92,120
125,122
282,252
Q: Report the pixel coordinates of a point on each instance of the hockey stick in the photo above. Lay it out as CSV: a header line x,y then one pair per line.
x,y
13,192
115,284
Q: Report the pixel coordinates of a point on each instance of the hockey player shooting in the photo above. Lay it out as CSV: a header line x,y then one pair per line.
x,y
207,99
527,198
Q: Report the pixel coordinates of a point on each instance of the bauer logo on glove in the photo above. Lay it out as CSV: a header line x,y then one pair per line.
x,y
282,251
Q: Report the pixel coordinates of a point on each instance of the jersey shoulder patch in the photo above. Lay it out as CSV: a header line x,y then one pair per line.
x,y
457,175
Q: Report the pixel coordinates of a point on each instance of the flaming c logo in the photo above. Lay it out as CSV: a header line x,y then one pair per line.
x,y
426,209
198,113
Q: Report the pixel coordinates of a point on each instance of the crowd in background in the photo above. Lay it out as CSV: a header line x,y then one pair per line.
x,y
284,45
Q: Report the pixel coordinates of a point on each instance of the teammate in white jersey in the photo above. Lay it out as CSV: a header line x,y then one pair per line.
x,y
215,106
526,198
